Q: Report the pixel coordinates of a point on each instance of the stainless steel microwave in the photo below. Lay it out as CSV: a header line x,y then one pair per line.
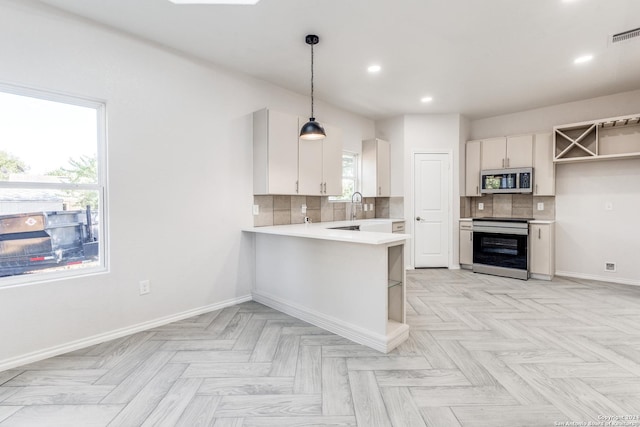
x,y
506,181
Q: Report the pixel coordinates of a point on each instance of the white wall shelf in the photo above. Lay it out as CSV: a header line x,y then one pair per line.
x,y
605,139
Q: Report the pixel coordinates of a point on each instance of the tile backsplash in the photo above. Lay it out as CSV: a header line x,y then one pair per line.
x,y
283,210
508,206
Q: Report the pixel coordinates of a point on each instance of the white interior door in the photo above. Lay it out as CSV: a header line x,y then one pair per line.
x,y
431,211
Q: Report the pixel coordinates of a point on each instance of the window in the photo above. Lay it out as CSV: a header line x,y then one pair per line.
x,y
52,185
349,176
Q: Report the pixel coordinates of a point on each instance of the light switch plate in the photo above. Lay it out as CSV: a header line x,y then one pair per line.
x,y
370,206
480,206
540,206
365,207
304,209
256,209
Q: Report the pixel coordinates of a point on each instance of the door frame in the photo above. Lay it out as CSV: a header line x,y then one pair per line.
x,y
450,234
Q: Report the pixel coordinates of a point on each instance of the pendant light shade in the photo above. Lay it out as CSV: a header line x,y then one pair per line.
x,y
312,129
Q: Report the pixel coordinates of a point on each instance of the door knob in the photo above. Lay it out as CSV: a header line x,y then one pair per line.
x,y
417,218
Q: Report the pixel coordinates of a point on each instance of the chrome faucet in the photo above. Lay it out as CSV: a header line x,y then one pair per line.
x,y
356,199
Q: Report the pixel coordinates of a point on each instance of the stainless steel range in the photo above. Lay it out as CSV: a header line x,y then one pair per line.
x,y
500,247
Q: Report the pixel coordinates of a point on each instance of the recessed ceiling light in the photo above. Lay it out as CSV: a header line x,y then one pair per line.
x,y
374,68
426,99
250,2
582,59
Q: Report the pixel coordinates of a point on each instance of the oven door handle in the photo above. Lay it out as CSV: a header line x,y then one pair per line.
x,y
494,230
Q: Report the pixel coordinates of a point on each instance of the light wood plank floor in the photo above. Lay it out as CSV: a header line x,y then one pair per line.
x,y
483,351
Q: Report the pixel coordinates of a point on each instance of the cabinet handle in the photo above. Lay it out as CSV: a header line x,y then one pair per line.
x,y
539,230
296,186
320,188
508,161
503,163
471,237
325,188
477,190
536,188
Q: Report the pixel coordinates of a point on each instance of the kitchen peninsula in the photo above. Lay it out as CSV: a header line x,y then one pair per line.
x,y
349,282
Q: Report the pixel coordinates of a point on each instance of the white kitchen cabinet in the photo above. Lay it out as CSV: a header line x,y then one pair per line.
x,y
376,165
320,164
332,161
542,250
466,243
544,171
494,151
472,169
275,152
310,167
509,152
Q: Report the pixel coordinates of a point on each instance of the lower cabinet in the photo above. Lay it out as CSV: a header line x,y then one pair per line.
x,y
466,243
542,250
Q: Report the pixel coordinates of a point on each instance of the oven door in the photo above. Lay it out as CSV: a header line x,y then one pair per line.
x,y
507,251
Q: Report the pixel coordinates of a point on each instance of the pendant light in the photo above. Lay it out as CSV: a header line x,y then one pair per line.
x,y
312,129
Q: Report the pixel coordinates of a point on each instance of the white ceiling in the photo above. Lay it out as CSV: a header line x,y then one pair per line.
x,y
476,57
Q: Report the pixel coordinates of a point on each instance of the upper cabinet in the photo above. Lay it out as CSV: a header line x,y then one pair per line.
x,y
520,151
285,164
509,152
472,169
376,165
544,171
613,138
320,164
275,152
332,161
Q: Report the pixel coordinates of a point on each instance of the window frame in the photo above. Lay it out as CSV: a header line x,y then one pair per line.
x,y
356,179
100,186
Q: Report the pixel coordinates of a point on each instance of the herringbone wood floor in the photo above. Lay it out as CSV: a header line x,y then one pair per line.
x,y
483,351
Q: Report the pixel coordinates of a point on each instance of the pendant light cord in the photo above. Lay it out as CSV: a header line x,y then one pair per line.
x,y
312,116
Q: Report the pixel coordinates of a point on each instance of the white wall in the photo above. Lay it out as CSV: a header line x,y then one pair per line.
x,y
586,235
180,176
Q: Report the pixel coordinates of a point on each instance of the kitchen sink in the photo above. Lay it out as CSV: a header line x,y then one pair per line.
x,y
347,227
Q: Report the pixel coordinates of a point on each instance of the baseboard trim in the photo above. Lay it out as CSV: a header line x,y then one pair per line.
x,y
117,333
610,279
346,330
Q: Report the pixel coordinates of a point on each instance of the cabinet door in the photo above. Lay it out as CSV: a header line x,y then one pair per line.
x,y
544,177
282,152
519,151
466,247
472,170
494,152
376,165
383,165
310,168
541,253
332,162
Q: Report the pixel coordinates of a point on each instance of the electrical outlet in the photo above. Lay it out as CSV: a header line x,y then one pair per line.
x,y
303,209
608,206
365,207
145,287
610,266
370,206
256,209
540,206
480,206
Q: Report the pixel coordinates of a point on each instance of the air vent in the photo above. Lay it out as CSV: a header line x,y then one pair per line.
x,y
625,36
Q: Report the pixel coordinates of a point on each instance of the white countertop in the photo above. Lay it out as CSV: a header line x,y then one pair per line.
x,y
323,231
531,221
